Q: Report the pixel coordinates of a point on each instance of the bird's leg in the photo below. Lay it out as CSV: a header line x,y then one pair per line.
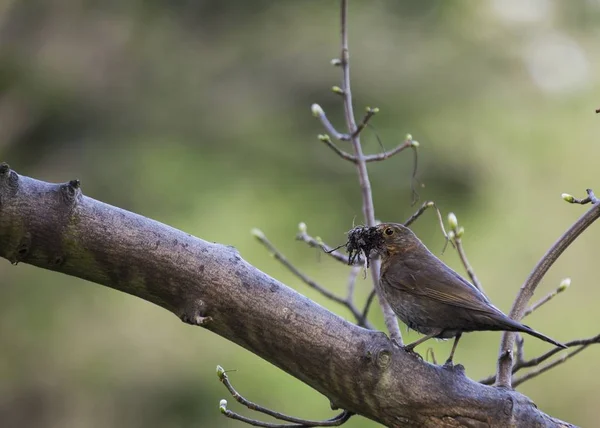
x,y
411,346
449,360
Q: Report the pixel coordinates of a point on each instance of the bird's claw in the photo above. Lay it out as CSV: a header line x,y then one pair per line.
x,y
411,351
449,365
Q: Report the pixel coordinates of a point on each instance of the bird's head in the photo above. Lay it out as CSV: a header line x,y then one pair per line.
x,y
384,239
395,238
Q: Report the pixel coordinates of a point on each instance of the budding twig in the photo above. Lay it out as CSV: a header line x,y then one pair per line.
x,y
518,381
565,283
295,422
455,236
504,377
318,243
369,158
318,112
533,362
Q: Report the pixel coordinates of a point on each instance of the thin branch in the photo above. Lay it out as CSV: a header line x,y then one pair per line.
x,y
352,283
528,288
428,353
540,359
386,155
370,112
344,155
391,321
421,210
455,236
591,198
331,251
520,353
260,236
320,114
295,422
463,258
368,304
562,287
518,381
368,158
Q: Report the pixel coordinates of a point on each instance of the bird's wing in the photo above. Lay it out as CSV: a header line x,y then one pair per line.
x,y
436,281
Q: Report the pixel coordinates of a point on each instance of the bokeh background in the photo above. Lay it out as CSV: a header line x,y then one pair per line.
x,y
197,114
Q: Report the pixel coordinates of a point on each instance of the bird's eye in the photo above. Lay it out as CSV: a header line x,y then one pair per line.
x,y
389,231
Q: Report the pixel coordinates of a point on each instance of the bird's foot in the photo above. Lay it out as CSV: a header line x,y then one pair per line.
x,y
411,350
449,365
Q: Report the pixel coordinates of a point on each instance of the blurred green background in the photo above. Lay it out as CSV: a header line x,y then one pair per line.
x,y
197,114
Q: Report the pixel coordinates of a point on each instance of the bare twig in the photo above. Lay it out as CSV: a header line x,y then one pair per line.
x,y
504,377
331,251
295,422
565,283
386,155
368,158
258,234
455,235
518,381
428,353
352,283
421,210
368,210
344,155
463,258
520,353
368,304
540,359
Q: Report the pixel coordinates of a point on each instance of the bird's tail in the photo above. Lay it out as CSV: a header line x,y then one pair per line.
x,y
525,329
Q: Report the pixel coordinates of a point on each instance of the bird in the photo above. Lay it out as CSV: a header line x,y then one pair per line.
x,y
431,298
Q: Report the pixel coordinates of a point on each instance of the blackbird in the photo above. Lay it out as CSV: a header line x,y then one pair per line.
x,y
431,298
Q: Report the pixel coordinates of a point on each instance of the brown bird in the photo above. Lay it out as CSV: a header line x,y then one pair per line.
x,y
431,298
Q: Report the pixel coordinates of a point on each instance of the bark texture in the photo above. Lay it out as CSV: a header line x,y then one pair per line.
x,y
56,227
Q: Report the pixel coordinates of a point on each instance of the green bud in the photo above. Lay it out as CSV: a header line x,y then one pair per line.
x,y
408,137
373,110
414,143
564,284
302,227
431,204
223,406
317,110
324,137
460,232
257,233
569,198
451,235
452,221
337,90
336,62
220,371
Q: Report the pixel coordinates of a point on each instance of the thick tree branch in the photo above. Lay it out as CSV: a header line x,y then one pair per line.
x,y
55,227
505,360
